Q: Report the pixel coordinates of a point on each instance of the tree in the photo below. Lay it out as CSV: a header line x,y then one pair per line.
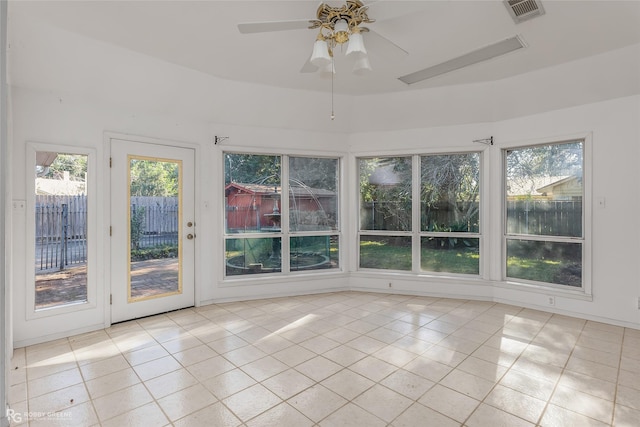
x,y
450,184
252,169
75,164
154,178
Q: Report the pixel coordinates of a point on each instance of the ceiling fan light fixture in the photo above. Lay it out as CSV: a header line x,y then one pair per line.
x,y
320,57
356,45
362,66
341,31
327,71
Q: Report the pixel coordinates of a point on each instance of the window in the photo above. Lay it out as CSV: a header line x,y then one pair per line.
x,y
450,213
544,227
61,218
385,237
268,227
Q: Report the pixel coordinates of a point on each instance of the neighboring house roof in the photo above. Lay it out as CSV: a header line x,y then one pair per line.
x,y
59,187
532,186
570,184
266,189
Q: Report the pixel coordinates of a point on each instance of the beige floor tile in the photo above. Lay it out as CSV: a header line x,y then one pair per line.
x,y
111,382
420,415
394,355
294,355
341,335
373,368
186,401
465,362
319,344
307,402
352,415
528,384
251,402
194,355
626,417
244,355
629,379
407,383
428,368
366,344
590,385
516,403
494,355
449,402
173,381
592,369
121,401
213,415
149,415
59,399
288,383
264,368
282,415
628,397
412,344
487,415
582,403
394,403
145,354
344,355
60,380
347,384
17,393
555,416
104,367
465,383
483,369
318,368
228,383
210,368
78,415
227,344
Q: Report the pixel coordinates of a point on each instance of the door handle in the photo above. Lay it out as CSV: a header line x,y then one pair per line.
x,y
190,236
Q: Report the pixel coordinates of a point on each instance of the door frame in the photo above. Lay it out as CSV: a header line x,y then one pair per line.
x,y
107,139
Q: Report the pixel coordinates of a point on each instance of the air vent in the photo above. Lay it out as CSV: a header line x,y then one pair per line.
x,y
521,10
483,54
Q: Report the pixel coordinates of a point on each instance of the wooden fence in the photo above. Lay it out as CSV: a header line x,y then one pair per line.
x,y
158,221
61,227
61,231
544,217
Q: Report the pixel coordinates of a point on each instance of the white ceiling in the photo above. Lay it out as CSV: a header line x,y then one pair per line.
x,y
202,35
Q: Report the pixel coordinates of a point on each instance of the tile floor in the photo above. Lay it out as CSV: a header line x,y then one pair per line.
x,y
339,359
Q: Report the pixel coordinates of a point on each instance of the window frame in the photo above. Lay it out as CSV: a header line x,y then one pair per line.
x,y
93,237
585,290
285,234
456,234
415,233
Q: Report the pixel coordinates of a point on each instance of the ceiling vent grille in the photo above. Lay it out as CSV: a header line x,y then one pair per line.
x,y
521,10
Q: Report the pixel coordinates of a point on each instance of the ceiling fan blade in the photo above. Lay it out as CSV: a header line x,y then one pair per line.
x,y
263,27
379,45
381,10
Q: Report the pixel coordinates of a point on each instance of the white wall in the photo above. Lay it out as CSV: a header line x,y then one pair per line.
x,y
615,136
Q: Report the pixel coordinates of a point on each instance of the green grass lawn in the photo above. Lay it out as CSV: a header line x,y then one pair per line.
x,y
384,256
533,269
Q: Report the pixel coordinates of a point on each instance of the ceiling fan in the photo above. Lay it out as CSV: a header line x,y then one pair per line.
x,y
337,26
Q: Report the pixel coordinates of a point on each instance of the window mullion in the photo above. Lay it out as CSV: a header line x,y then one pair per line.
x,y
284,218
415,214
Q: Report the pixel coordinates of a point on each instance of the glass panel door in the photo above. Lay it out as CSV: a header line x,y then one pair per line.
x,y
153,229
